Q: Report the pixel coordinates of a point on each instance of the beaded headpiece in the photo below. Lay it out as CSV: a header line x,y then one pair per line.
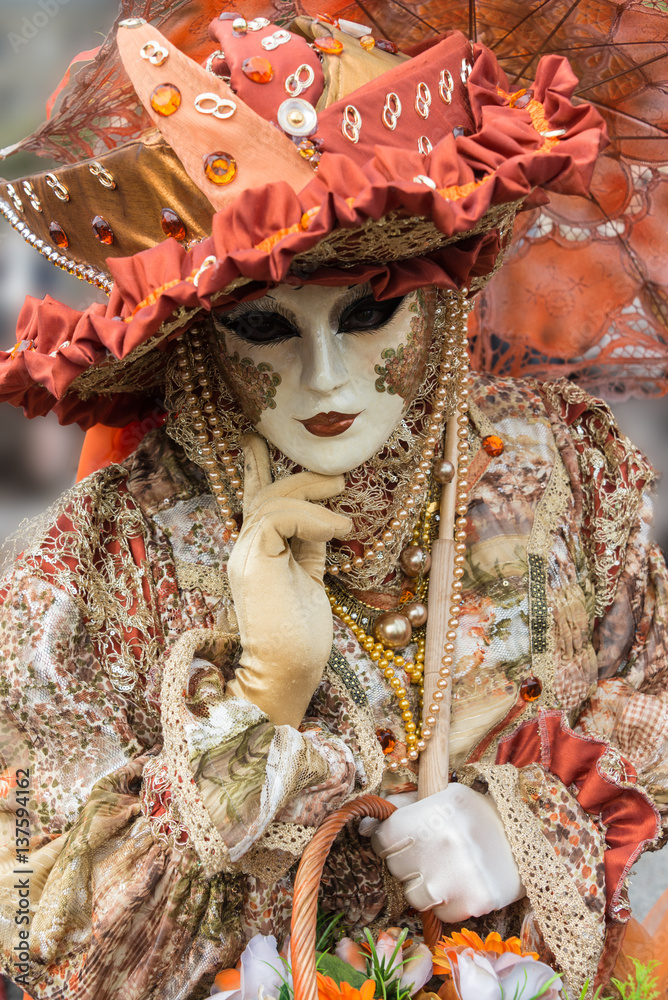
x,y
313,152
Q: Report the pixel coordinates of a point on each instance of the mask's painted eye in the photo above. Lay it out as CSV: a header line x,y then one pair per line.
x,y
367,314
262,327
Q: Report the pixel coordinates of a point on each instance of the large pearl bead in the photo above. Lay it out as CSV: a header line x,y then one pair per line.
x,y
443,471
393,630
415,560
416,613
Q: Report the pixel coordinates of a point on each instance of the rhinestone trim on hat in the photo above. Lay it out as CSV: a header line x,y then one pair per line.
x,y
81,271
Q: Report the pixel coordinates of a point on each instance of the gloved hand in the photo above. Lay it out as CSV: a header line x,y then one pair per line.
x,y
451,852
276,576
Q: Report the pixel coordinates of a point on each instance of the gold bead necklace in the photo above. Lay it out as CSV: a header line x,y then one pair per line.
x,y
419,733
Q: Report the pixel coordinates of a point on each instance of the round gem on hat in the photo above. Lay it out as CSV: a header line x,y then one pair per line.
x,y
329,45
297,117
493,445
103,230
59,236
132,22
386,46
257,69
166,99
172,224
368,42
220,168
240,26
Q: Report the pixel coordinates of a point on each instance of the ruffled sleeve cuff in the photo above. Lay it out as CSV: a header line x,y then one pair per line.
x,y
605,785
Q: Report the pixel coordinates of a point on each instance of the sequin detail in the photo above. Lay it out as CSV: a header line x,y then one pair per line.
x,y
538,593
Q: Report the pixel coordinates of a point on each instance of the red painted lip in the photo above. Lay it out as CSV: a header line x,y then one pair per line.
x,y
329,424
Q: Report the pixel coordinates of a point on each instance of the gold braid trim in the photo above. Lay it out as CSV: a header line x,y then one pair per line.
x,y
570,929
548,515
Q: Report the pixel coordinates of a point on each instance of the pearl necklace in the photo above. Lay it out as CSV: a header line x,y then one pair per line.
x,y
444,472
213,450
450,371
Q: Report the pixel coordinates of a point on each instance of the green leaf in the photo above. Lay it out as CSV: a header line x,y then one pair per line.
x,y
286,992
339,971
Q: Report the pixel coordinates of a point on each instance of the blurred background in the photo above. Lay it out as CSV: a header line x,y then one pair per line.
x,y
38,459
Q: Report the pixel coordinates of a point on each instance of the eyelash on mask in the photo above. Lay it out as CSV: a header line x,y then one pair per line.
x,y
271,305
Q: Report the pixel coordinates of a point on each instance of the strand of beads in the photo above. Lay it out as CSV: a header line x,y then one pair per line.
x,y
387,661
421,534
451,305
462,374
212,448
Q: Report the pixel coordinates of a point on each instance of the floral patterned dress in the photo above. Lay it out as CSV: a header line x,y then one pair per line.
x,y
166,820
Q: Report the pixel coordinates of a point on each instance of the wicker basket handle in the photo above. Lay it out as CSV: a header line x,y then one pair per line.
x,y
307,883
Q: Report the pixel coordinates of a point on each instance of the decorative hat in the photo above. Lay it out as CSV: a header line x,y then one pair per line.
x,y
300,153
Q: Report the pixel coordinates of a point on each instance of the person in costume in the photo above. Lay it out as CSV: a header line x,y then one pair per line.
x,y
209,647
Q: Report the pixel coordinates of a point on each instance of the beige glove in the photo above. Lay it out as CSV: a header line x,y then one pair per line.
x,y
276,571
451,852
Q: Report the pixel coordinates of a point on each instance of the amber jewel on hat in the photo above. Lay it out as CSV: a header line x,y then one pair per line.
x,y
402,171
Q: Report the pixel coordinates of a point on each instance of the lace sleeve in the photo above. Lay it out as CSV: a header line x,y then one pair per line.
x,y
225,775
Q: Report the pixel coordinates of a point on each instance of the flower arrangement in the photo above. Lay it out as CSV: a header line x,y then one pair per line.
x,y
396,967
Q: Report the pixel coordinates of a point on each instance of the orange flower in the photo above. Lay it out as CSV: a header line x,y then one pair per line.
x,y
228,979
329,990
465,938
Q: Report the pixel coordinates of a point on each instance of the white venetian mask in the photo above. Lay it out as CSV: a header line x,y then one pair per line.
x,y
326,374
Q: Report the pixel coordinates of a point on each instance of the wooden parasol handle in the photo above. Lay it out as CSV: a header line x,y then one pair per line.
x,y
435,758
307,883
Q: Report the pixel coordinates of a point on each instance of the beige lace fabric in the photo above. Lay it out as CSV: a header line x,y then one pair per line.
x,y
569,928
550,512
187,814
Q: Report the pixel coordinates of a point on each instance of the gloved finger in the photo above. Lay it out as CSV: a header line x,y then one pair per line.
x,y
310,556
367,826
307,486
418,894
386,843
257,468
297,518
